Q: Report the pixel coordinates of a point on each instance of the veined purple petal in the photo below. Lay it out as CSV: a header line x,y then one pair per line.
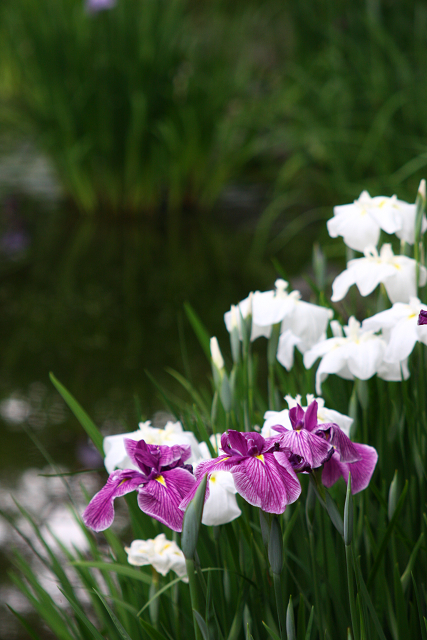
x,y
314,449
296,416
361,471
160,498
310,418
235,443
337,438
99,514
265,483
422,318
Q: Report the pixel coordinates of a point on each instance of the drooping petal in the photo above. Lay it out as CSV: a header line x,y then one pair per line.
x,y
361,471
99,514
160,498
285,349
310,419
339,440
264,483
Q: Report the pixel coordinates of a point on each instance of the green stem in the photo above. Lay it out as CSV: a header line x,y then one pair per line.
x,y
194,596
353,608
319,610
280,607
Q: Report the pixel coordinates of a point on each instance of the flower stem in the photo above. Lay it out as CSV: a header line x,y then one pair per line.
x,y
194,595
280,606
353,608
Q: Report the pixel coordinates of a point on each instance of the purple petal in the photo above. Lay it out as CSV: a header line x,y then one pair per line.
x,y
153,456
99,514
296,416
236,443
310,419
336,437
161,498
332,470
312,448
265,483
422,318
190,495
361,471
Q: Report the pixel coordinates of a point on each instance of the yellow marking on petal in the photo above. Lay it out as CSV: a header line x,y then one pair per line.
x,y
413,315
223,459
260,457
123,481
212,479
161,480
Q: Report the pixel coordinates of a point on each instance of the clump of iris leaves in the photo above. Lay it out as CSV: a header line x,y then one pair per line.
x,y
336,567
151,104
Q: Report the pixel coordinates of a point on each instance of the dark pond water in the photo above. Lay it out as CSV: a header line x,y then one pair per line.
x,y
99,302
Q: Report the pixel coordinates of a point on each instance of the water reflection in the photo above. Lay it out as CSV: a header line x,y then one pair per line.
x,y
99,302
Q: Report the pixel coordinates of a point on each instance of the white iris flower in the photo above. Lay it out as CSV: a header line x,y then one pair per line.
x,y
357,354
397,273
302,323
399,325
173,433
324,416
162,554
360,222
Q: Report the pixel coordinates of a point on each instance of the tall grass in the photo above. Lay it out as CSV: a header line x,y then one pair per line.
x,y
138,106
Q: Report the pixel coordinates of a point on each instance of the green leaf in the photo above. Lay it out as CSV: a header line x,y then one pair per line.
x,y
199,329
399,603
202,625
367,600
152,632
82,616
387,535
24,623
310,624
406,576
348,514
189,387
115,568
157,594
122,631
192,521
290,621
81,415
271,632
420,615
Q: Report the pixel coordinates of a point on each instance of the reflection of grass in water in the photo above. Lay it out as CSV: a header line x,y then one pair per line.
x,y
99,302
144,103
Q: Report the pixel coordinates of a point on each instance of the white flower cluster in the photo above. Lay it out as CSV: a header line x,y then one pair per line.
x,y
221,506
162,554
380,345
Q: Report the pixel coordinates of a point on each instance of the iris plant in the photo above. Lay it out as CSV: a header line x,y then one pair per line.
x,y
162,482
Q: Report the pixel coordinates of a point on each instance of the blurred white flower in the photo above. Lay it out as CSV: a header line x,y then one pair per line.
x,y
324,415
302,323
173,433
399,327
162,554
358,354
359,223
397,273
221,506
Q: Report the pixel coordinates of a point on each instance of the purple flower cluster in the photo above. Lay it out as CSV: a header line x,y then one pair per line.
x,y
264,469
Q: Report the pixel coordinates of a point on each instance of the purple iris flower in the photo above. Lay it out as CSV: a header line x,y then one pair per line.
x,y
308,448
361,471
422,318
162,483
262,472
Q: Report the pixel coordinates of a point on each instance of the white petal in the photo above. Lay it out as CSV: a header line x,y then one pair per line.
x,y
402,340
285,349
